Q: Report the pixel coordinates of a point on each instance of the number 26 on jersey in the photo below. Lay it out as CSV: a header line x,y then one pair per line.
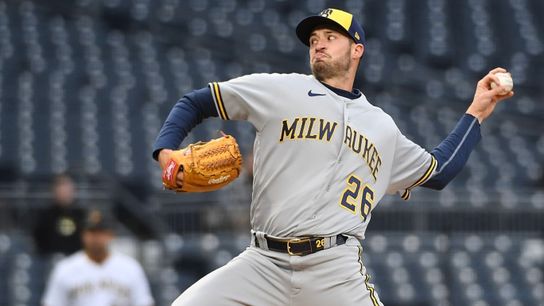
x,y
357,197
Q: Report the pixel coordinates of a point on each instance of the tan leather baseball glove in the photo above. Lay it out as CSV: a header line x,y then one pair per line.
x,y
206,166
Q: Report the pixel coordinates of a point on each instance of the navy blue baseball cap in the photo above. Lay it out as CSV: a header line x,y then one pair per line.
x,y
334,17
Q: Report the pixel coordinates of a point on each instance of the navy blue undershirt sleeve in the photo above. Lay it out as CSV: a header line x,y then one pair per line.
x,y
184,116
453,152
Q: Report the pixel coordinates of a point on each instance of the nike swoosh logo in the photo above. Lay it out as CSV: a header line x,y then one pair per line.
x,y
313,94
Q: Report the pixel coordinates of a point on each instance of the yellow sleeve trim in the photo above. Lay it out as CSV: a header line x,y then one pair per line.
x,y
219,101
406,195
427,174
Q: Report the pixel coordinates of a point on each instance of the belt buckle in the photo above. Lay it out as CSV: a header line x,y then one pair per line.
x,y
297,240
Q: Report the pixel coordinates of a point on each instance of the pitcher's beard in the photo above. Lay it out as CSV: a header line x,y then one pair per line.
x,y
327,70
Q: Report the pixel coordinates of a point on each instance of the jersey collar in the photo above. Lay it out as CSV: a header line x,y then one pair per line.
x,y
354,94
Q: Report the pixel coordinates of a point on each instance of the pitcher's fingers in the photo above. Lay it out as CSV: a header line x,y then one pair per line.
x,y
498,69
488,79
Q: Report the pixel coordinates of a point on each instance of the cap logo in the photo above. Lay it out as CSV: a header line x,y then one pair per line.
x,y
357,36
326,13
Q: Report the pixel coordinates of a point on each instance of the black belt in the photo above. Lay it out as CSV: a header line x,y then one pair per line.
x,y
300,246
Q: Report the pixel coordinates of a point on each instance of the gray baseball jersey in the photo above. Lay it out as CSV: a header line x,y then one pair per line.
x,y
322,162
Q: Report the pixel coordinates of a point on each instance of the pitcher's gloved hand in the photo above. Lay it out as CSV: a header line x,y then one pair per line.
x,y
206,166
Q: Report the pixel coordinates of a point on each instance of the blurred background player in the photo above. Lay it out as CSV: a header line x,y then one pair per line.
x,y
97,276
58,226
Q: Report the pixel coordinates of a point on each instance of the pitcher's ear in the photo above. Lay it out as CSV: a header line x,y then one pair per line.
x,y
358,51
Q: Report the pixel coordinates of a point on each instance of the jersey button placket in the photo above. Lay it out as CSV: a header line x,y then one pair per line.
x,y
346,123
341,150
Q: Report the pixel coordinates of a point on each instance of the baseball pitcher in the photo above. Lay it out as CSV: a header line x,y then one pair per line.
x,y
324,156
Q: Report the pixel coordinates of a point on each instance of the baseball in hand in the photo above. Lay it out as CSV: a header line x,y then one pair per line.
x,y
505,81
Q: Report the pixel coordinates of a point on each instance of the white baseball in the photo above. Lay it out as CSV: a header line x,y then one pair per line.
x,y
505,80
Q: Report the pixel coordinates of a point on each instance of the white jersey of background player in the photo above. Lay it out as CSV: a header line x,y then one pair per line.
x,y
323,158
96,276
